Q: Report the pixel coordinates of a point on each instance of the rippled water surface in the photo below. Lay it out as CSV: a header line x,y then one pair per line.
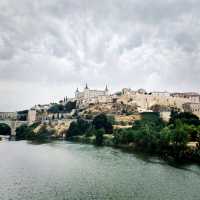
x,y
62,170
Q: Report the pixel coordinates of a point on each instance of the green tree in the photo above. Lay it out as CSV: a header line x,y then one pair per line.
x,y
101,121
165,135
152,119
69,106
25,132
179,138
56,108
43,133
198,138
78,127
5,129
124,136
73,130
99,136
192,131
185,117
111,119
21,132
180,135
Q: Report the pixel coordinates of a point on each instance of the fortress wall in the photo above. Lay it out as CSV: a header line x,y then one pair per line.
x,y
146,101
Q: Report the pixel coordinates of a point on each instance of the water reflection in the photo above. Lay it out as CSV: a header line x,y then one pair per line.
x,y
62,170
4,137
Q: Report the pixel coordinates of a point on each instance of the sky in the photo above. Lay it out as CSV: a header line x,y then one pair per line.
x,y
49,48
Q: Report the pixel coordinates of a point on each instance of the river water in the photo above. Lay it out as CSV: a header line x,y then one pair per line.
x,y
61,170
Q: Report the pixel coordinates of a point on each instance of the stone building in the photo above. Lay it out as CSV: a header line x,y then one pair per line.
x,y
191,96
41,108
192,107
160,94
32,116
141,91
8,115
88,96
146,100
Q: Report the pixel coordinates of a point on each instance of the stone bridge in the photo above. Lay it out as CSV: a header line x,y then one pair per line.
x,y
13,124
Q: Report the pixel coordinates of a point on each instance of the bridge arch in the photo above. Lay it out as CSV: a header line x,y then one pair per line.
x,y
13,124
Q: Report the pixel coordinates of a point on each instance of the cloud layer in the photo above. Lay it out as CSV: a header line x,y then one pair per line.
x,y
48,48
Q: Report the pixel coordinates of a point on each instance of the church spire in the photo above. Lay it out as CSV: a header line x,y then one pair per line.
x,y
86,87
106,88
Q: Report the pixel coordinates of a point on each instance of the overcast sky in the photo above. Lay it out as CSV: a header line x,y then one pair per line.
x,y
48,48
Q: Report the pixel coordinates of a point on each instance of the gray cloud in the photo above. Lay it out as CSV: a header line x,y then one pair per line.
x,y
48,48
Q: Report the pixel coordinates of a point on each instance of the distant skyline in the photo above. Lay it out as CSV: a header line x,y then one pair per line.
x,y
49,48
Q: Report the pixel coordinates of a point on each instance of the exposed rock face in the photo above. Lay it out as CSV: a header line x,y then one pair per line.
x,y
58,128
127,119
109,108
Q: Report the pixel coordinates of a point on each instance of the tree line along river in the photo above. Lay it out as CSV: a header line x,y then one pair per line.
x,y
62,170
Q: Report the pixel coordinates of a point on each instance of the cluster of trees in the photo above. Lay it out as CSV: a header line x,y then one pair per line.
x,y
153,135
100,125
149,134
25,132
59,108
5,129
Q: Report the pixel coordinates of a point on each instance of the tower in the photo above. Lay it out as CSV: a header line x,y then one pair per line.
x,y
106,90
86,92
76,93
86,87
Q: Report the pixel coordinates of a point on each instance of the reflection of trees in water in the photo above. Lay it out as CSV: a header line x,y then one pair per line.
x,y
152,159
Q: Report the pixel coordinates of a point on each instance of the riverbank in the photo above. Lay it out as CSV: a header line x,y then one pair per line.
x,y
149,134
188,156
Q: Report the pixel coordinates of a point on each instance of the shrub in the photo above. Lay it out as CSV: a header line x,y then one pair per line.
x,y
102,122
78,127
21,132
123,136
99,136
185,117
44,133
5,129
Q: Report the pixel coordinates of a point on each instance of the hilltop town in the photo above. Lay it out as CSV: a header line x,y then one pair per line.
x,y
89,102
161,122
125,106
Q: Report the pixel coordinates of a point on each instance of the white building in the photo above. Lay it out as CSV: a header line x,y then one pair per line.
x,y
32,116
88,96
39,107
160,94
193,108
193,97
8,115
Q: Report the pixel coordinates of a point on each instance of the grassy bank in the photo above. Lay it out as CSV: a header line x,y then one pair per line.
x,y
150,135
178,139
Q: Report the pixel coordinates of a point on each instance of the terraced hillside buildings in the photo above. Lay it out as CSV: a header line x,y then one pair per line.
x,y
141,99
90,102
151,100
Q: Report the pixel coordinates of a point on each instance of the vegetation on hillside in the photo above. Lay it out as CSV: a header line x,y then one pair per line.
x,y
149,134
4,129
179,138
25,132
100,125
59,108
103,122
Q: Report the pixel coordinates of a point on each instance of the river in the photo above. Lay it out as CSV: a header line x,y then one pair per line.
x,y
61,170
